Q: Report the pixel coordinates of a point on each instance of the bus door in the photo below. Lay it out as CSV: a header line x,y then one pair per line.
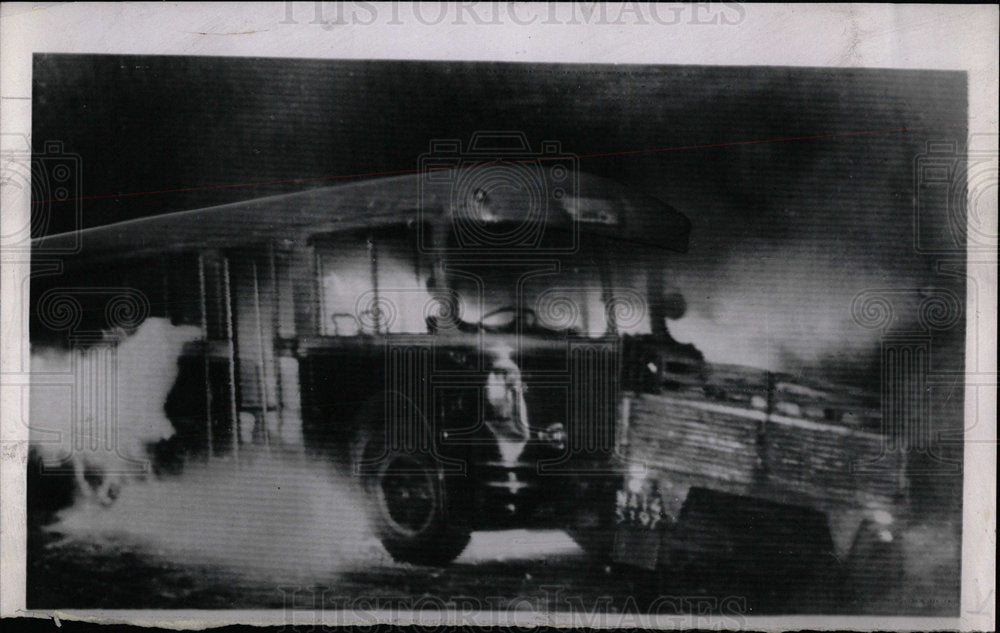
x,y
266,369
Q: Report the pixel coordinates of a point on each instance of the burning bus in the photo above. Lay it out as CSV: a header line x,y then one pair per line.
x,y
482,346
452,338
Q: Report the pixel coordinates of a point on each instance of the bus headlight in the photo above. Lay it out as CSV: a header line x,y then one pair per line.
x,y
883,520
554,434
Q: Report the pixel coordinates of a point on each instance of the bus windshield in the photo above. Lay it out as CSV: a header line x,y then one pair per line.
x,y
557,292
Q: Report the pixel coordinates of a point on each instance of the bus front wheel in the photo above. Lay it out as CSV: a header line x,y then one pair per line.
x,y
417,512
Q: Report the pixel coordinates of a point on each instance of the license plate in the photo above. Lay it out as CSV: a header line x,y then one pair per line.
x,y
639,528
639,510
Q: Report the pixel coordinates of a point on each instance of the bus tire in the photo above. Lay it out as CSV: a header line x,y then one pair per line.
x,y
416,511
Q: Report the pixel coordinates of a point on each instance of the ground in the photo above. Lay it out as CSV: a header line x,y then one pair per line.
x,y
267,535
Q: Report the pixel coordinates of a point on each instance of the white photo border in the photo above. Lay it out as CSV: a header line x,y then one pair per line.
x,y
945,37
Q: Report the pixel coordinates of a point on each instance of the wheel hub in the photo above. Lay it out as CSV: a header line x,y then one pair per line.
x,y
407,494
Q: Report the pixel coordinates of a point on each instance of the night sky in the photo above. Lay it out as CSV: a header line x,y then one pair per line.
x,y
785,233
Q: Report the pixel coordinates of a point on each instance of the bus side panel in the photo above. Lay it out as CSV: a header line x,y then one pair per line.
x,y
336,385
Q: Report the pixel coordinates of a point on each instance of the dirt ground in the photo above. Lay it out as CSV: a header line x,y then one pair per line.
x,y
270,536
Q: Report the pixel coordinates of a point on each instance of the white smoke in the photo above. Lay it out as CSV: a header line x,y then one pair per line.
x,y
285,518
100,406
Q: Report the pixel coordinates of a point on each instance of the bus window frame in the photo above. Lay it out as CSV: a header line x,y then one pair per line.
x,y
326,243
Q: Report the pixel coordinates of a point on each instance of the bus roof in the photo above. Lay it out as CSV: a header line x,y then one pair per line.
x,y
497,192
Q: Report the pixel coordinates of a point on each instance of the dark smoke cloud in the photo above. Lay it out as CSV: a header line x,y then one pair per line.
x,y
786,232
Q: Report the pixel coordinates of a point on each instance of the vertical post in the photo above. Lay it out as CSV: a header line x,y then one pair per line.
x,y
262,373
275,321
310,320
655,297
231,348
204,355
606,297
762,460
373,257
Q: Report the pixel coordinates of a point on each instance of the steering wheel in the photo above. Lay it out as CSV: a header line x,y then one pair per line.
x,y
527,316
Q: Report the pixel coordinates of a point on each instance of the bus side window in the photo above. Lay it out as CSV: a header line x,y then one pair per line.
x,y
373,283
403,279
345,271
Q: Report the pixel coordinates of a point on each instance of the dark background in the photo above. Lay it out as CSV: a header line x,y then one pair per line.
x,y
787,230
